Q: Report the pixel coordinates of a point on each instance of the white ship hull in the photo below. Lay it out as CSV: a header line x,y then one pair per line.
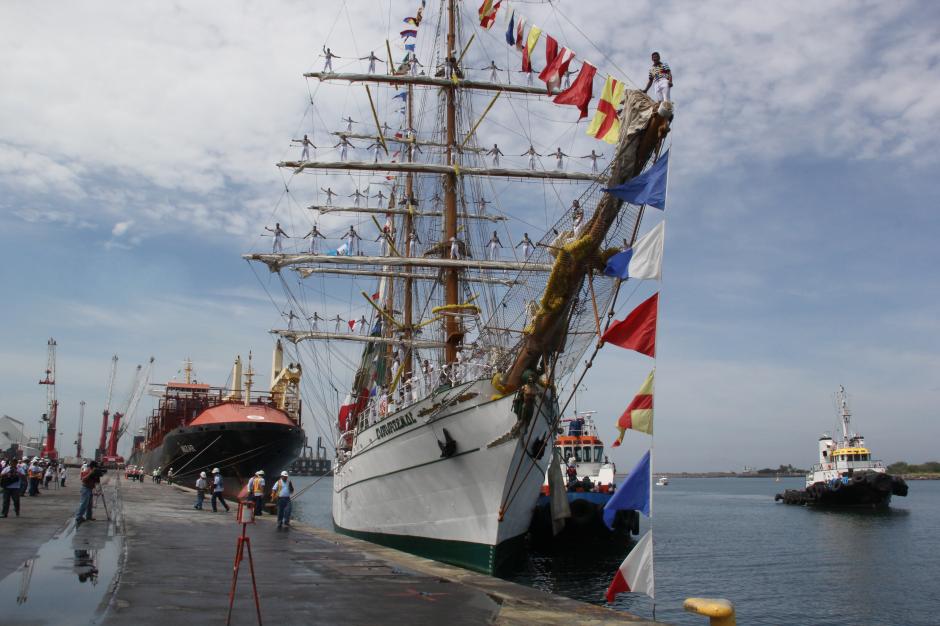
x,y
397,489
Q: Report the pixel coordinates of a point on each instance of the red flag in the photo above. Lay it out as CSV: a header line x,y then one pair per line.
x,y
375,296
581,91
638,330
551,49
352,324
556,68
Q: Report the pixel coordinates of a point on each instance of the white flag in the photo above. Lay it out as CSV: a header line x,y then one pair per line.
x,y
636,571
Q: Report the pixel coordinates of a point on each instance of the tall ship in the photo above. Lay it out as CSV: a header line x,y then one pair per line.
x,y
442,335
846,475
197,427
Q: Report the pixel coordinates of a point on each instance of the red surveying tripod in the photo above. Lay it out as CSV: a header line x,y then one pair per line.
x,y
246,515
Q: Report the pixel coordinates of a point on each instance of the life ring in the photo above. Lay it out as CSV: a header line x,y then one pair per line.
x,y
835,484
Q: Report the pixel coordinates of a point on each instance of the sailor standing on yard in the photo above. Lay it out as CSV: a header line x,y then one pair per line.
x,y
312,235
313,319
660,78
413,239
559,158
594,156
278,234
352,240
532,154
307,144
493,246
358,196
454,248
283,489
495,152
339,321
372,60
256,491
346,144
329,195
527,245
328,64
494,78
217,490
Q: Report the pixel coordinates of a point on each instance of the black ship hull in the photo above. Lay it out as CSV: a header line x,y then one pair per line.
x,y
864,490
238,449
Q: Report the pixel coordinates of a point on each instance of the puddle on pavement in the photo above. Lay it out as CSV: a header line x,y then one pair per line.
x,y
67,580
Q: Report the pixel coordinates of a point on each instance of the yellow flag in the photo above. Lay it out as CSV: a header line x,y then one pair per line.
x,y
606,124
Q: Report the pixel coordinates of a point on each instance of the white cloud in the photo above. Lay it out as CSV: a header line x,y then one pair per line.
x,y
121,228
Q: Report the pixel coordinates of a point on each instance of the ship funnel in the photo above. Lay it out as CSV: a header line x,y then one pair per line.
x,y
237,379
277,361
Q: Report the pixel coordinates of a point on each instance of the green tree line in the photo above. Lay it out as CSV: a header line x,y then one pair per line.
x,y
903,467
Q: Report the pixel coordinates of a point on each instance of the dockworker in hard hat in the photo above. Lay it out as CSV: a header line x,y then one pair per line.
x,y
217,490
201,485
256,491
282,491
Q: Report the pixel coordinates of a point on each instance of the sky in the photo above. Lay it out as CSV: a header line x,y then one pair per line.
x,y
137,151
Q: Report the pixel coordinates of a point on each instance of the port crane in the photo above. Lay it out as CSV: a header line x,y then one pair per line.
x,y
107,409
139,385
52,405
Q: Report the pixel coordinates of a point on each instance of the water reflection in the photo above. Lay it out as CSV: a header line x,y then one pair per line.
x,y
59,585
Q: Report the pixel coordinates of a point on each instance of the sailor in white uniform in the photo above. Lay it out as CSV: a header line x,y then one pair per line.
x,y
532,154
328,64
372,60
352,240
278,235
527,245
493,246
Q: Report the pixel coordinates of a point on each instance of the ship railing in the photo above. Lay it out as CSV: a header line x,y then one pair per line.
x,y
846,465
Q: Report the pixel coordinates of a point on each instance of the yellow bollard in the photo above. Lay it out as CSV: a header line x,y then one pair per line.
x,y
719,612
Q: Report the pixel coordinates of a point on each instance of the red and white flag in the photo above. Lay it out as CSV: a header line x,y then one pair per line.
x,y
636,572
556,68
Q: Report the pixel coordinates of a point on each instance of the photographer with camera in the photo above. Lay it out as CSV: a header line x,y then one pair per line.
x,y
90,478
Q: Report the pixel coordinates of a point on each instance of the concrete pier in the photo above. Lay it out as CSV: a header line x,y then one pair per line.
x,y
176,566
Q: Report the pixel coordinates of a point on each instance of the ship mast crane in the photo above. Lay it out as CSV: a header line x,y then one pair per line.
x,y
107,408
52,405
81,422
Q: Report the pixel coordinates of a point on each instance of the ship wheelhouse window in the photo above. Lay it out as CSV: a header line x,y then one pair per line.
x,y
587,454
567,453
598,454
577,454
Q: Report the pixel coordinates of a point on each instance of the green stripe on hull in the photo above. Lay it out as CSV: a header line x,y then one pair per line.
x,y
478,557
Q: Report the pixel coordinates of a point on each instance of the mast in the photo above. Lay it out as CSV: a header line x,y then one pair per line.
x,y
406,231
452,330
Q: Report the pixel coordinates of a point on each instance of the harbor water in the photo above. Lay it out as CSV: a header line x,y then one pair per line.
x,y
726,537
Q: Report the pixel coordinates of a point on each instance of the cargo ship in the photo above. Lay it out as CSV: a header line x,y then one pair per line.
x,y
196,427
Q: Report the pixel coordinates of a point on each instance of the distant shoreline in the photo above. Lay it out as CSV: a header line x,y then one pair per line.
x,y
786,475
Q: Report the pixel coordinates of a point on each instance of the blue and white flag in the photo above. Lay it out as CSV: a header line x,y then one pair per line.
x,y
410,46
644,260
403,95
647,188
631,495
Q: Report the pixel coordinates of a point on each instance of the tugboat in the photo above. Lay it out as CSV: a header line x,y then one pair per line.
x,y
589,476
846,475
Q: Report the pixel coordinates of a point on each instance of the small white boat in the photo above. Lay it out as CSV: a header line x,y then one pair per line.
x,y
663,481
